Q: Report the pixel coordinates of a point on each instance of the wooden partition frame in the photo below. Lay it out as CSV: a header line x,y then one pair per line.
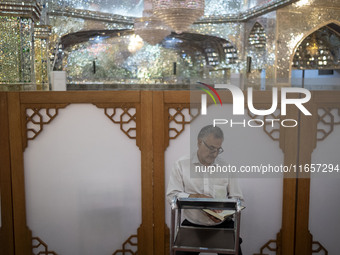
x,y
152,137
308,140
14,105
284,241
6,229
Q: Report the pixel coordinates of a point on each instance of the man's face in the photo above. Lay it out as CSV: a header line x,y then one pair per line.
x,y
208,149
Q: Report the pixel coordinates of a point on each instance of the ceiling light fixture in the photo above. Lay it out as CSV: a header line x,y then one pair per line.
x,y
178,14
313,47
150,28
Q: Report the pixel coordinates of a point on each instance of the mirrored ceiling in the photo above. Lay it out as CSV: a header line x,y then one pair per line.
x,y
134,8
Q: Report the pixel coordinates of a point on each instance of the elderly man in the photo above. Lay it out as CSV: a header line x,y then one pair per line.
x,y
209,142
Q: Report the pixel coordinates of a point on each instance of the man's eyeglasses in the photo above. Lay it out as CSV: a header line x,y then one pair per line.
x,y
213,149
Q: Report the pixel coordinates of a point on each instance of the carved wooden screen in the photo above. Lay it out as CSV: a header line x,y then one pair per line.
x,y
44,200
25,117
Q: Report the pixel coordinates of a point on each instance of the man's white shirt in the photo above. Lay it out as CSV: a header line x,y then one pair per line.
x,y
181,184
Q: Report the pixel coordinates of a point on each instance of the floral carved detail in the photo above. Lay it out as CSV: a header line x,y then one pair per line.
x,y
268,246
178,117
40,247
319,248
327,118
36,118
270,127
129,246
125,116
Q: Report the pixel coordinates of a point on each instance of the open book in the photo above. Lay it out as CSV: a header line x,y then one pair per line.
x,y
221,215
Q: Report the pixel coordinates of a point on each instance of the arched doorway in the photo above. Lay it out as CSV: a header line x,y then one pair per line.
x,y
316,62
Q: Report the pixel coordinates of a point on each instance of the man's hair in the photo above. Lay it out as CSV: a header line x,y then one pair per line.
x,y
210,129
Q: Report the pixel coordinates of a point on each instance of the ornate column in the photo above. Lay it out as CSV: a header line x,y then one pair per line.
x,y
17,20
41,63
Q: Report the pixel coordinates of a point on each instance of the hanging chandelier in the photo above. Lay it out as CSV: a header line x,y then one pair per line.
x,y
313,46
150,28
178,14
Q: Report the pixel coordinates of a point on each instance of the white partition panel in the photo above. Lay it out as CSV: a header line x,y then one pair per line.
x,y
83,183
176,149
261,220
324,220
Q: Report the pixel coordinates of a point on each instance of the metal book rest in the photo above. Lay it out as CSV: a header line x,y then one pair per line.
x,y
204,239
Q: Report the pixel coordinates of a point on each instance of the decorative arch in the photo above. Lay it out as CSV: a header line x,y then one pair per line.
x,y
257,37
324,40
111,55
319,49
70,39
214,49
307,34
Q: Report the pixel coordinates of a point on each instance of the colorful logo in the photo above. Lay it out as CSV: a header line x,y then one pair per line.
x,y
209,93
239,99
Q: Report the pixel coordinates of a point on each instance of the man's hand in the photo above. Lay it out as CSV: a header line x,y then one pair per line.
x,y
204,196
214,219
199,196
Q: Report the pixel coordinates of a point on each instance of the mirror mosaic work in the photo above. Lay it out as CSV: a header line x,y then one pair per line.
x,y
251,43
